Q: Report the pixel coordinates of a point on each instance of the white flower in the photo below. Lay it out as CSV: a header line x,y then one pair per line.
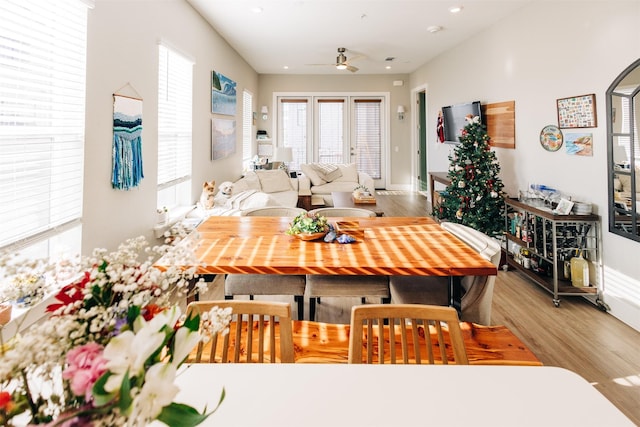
x,y
128,352
461,184
185,341
157,392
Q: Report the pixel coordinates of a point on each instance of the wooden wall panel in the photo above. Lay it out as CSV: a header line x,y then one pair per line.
x,y
500,118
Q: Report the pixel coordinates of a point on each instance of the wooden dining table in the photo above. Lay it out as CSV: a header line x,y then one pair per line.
x,y
391,246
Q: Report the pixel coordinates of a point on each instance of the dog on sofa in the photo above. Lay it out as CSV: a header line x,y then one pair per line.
x,y
225,191
208,195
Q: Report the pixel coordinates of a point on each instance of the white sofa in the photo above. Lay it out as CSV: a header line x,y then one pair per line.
x,y
255,189
322,179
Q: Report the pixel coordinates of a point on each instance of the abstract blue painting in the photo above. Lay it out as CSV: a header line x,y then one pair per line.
x,y
223,94
223,138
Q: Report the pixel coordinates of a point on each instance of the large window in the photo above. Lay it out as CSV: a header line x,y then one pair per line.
x,y
175,81
335,129
42,108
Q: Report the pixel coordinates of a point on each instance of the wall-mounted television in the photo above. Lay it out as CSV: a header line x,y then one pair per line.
x,y
454,118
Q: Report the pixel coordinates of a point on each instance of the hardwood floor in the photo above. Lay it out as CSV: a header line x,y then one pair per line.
x,y
576,336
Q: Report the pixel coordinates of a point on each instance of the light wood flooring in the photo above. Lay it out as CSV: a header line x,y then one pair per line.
x,y
576,336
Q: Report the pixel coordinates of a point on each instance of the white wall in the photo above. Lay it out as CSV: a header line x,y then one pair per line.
x,y
122,48
546,51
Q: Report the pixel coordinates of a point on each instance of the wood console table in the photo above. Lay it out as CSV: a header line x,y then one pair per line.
x,y
442,178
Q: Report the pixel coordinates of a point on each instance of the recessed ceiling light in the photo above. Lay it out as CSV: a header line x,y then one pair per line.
x,y
434,28
456,9
286,67
257,10
388,67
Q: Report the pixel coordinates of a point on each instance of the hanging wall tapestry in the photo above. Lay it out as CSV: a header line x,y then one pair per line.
x,y
127,142
223,94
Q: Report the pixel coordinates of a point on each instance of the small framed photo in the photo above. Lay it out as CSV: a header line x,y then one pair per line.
x,y
577,112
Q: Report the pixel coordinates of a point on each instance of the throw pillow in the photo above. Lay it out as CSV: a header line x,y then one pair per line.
x,y
349,173
327,171
248,182
274,181
313,176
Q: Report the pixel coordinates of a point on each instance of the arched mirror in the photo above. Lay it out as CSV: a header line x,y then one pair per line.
x,y
623,151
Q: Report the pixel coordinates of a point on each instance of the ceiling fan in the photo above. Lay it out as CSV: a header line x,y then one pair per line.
x,y
342,63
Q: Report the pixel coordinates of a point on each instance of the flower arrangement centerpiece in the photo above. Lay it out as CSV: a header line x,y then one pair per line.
x,y
308,226
24,283
109,352
361,190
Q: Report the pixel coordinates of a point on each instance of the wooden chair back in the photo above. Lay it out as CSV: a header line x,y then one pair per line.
x,y
388,329
252,336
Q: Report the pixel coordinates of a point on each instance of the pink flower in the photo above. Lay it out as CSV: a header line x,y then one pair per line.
x,y
85,366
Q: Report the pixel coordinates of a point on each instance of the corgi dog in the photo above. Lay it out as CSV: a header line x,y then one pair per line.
x,y
208,193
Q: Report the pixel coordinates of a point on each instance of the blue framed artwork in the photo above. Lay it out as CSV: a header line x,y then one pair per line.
x,y
223,94
223,138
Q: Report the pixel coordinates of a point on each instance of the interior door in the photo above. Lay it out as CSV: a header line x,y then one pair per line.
x,y
422,141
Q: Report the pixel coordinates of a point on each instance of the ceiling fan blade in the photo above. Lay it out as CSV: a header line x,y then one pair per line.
x,y
352,68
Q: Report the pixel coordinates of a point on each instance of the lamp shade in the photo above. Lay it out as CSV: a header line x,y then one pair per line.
x,y
264,110
400,109
283,154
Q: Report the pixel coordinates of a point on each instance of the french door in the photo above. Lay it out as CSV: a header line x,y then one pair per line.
x,y
335,129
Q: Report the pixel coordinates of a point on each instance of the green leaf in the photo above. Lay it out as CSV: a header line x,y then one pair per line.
x,y
181,415
192,323
125,394
100,395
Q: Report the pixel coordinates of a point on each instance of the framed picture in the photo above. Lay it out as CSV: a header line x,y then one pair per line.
x,y
223,138
579,144
577,112
223,94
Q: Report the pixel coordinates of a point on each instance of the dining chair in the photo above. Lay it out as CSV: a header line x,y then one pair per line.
x,y
477,290
343,212
252,335
328,285
273,211
268,284
406,333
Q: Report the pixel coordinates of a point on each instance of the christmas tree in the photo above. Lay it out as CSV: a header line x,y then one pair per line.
x,y
474,197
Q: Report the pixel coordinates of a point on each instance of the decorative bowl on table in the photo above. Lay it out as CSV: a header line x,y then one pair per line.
x,y
307,226
310,236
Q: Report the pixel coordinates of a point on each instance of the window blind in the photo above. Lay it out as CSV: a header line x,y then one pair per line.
x,y
331,131
293,113
175,82
247,126
368,136
42,108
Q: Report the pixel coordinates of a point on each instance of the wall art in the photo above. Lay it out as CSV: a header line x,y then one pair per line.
x,y
577,112
551,138
223,94
126,153
579,144
223,138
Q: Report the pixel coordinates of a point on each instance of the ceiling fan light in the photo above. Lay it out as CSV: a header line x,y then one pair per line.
x,y
341,66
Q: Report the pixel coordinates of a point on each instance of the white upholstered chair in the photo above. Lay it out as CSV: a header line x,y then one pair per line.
x,y
268,284
273,211
344,212
477,290
320,285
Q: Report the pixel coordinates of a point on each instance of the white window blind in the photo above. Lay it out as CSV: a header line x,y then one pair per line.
x,y
175,81
293,115
331,131
247,126
368,136
42,108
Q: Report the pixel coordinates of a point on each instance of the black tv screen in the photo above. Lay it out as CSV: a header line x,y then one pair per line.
x,y
454,118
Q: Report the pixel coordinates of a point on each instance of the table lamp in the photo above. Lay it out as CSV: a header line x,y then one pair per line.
x,y
284,155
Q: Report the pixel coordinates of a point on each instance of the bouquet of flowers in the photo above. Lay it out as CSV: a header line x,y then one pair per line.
x,y
109,352
27,284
